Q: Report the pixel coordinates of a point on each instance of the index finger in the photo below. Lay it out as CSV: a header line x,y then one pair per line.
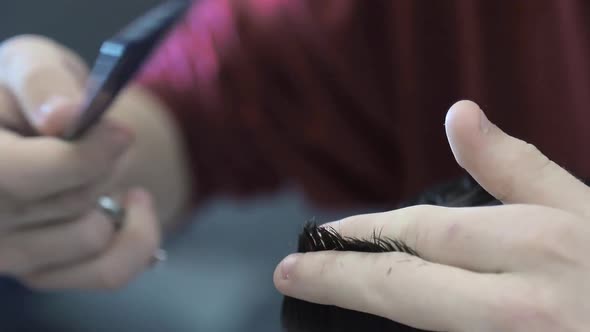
x,y
41,75
128,255
396,286
38,167
487,239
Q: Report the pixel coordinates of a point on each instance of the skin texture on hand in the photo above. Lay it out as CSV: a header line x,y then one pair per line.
x,y
45,82
51,234
517,267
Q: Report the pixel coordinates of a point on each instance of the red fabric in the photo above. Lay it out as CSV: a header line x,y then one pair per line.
x,y
347,98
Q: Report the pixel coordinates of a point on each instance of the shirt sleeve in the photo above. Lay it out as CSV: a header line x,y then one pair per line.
x,y
265,97
346,99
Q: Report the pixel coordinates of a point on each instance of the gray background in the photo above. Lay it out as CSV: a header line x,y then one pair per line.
x,y
219,276
79,24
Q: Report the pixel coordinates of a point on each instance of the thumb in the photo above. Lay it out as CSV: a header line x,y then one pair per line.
x,y
46,79
55,115
510,169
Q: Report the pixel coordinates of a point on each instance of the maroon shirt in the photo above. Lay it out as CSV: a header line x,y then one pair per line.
x,y
347,98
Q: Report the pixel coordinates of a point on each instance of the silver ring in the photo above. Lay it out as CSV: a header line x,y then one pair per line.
x,y
113,210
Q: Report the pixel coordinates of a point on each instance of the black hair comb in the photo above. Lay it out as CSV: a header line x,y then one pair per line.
x,y
121,57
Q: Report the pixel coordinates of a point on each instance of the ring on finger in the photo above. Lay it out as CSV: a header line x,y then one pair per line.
x,y
112,209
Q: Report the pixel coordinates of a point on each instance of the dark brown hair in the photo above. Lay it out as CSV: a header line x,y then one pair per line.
x,y
302,316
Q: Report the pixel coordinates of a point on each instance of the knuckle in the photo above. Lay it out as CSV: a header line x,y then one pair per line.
x,y
90,166
552,241
24,39
83,167
95,233
533,159
35,169
523,309
526,162
542,162
505,189
17,48
417,228
87,170
15,44
418,212
530,150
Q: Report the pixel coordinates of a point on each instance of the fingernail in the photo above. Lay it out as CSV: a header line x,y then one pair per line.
x,y
47,108
485,123
287,265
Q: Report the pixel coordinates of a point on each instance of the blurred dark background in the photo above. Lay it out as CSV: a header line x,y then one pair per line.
x,y
219,274
79,24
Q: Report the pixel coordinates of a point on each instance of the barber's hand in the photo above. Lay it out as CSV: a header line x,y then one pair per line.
x,y
51,234
523,266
